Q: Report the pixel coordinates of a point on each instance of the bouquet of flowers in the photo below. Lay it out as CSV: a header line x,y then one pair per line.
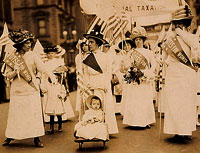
x,y
134,75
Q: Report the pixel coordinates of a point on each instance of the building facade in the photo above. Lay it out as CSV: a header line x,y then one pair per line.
x,y
51,21
6,14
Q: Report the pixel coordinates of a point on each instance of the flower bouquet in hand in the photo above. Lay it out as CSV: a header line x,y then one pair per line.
x,y
134,75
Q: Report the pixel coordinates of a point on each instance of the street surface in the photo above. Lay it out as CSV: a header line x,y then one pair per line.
x,y
129,140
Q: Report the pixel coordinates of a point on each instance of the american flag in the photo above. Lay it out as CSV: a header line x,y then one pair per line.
x,y
111,28
115,27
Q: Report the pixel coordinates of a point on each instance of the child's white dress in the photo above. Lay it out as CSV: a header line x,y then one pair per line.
x,y
55,105
92,125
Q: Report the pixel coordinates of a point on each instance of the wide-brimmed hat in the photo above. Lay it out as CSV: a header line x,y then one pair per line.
x,y
98,94
138,32
20,36
95,35
58,49
183,14
124,42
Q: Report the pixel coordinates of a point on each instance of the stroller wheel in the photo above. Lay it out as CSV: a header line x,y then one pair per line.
x,y
80,145
104,144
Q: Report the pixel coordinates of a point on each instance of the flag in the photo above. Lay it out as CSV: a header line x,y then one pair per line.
x,y
97,21
111,28
160,38
4,39
39,50
115,26
91,61
12,59
5,44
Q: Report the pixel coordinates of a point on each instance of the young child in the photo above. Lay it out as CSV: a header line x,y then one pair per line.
x,y
55,60
56,94
92,124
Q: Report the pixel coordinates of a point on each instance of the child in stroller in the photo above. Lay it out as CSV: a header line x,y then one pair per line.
x,y
92,126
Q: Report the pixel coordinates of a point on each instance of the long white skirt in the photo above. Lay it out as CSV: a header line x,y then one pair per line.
x,y
110,117
180,103
138,107
25,117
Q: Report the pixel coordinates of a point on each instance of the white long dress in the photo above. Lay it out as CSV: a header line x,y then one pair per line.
x,y
180,102
138,107
96,80
25,112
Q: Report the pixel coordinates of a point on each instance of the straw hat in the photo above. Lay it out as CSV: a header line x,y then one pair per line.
x,y
183,14
138,32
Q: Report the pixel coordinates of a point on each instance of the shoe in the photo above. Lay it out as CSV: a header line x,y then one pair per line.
x,y
186,137
60,130
38,143
198,124
50,132
7,142
178,137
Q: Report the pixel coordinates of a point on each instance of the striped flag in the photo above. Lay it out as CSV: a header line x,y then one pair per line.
x,y
115,27
111,28
80,82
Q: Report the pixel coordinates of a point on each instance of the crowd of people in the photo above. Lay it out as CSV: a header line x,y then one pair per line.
x,y
104,72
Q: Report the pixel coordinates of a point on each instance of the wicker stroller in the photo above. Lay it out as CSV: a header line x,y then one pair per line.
x,y
90,128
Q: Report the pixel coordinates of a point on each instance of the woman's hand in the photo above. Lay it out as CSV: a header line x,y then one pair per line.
x,y
53,79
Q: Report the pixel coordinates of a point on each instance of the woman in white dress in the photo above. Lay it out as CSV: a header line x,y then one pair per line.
x,y
97,74
180,87
83,49
138,106
25,112
125,46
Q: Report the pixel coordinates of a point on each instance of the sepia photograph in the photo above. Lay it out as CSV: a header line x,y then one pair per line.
x,y
100,76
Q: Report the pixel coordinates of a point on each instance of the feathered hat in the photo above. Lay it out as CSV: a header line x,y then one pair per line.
x,y
20,36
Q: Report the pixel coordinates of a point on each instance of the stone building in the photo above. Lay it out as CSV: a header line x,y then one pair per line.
x,y
52,22
6,14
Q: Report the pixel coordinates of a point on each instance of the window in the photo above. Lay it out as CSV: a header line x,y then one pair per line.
x,y
41,21
39,2
42,27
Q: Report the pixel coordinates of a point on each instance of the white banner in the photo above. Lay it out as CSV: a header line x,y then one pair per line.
x,y
145,12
